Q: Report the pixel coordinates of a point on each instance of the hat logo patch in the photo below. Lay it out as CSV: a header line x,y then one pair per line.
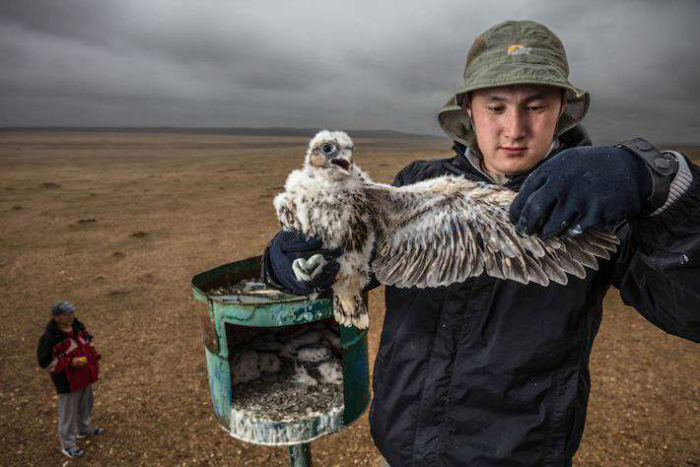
x,y
518,49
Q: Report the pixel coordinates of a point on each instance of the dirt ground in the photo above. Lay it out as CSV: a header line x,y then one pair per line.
x,y
119,223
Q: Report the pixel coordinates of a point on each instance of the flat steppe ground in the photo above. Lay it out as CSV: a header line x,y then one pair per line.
x,y
119,223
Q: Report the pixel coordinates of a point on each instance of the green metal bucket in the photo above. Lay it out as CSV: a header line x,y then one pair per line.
x,y
218,311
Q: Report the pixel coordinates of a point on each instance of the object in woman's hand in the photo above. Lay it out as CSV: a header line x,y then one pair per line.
x,y
79,361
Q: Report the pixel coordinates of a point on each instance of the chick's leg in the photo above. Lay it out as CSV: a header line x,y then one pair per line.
x,y
348,307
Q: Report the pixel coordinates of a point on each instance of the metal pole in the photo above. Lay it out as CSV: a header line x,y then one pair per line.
x,y
300,455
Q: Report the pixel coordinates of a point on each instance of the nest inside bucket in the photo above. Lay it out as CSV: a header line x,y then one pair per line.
x,y
280,396
248,287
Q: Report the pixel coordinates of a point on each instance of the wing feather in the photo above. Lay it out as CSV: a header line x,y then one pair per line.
x,y
441,231
579,254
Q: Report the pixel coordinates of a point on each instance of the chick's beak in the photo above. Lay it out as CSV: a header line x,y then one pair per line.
x,y
342,163
343,159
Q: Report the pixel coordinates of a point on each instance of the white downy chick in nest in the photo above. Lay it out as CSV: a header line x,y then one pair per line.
x,y
330,372
314,364
429,234
301,375
312,354
268,362
245,367
333,339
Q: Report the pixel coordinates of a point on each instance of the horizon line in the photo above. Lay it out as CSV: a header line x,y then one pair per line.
x,y
236,129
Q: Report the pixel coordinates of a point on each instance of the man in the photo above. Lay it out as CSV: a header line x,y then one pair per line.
x,y
490,372
67,352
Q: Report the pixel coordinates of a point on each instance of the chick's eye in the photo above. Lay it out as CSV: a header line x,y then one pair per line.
x,y
328,149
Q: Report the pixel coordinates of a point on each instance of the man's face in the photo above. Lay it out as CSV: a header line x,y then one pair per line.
x,y
515,125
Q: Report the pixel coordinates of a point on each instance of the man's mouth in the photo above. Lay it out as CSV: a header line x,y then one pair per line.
x,y
514,150
342,163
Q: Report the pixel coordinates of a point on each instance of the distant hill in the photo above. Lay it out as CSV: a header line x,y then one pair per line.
x,y
237,131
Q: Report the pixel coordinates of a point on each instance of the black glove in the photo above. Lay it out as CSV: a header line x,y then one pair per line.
x,y
581,188
286,247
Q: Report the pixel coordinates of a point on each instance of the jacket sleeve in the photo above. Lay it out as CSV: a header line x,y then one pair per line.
x,y
44,352
658,269
91,345
95,353
46,359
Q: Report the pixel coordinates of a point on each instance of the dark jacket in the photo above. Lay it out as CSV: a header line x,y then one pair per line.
x,y
493,373
490,372
56,350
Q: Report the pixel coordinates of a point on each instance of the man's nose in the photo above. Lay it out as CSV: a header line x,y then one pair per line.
x,y
515,125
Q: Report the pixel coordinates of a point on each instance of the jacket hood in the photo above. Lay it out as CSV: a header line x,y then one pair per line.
x,y
52,326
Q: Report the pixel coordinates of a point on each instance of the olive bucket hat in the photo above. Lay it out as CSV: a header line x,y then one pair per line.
x,y
514,52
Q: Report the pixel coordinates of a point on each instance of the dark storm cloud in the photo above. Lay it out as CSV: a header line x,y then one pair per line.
x,y
329,64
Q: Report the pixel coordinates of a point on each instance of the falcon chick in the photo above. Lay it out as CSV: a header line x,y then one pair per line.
x,y
429,234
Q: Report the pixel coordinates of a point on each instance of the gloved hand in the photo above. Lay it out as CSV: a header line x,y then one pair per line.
x,y
289,254
581,188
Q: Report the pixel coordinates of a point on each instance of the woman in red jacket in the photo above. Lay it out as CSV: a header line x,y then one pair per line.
x,y
67,352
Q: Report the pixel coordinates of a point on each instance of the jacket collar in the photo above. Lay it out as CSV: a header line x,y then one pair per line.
x,y
52,326
461,164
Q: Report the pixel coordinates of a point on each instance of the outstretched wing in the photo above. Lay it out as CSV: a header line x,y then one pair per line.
x,y
444,230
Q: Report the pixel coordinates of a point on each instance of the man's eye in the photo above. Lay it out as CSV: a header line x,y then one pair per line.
x,y
535,107
495,109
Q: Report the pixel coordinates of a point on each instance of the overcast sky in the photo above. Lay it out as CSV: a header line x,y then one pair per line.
x,y
346,65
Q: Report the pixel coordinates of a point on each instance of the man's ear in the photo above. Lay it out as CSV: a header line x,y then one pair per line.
x,y
466,104
564,104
